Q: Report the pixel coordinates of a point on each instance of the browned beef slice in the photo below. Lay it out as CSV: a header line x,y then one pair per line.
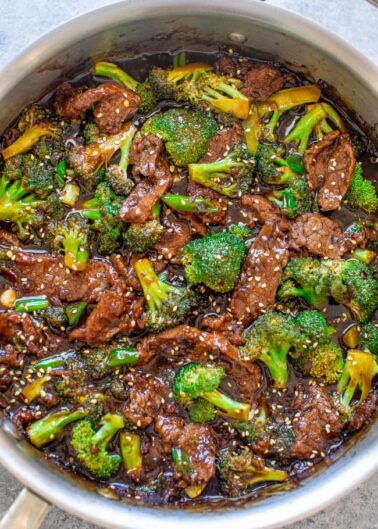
x,y
323,236
262,208
221,143
148,397
148,160
177,234
364,412
226,65
43,274
243,379
316,421
116,312
330,165
23,329
261,80
187,342
261,274
8,239
113,104
197,191
196,440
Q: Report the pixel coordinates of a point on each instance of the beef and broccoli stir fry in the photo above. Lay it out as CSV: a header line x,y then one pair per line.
x,y
189,278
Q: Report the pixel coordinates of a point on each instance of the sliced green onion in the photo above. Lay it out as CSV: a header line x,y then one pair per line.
x,y
74,311
61,173
189,205
31,304
122,356
181,461
50,362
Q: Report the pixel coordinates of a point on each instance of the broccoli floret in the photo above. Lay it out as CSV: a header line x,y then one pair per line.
x,y
168,305
54,207
359,370
361,194
107,69
55,317
17,206
269,340
138,238
215,260
29,138
91,132
116,175
90,446
314,325
323,361
51,427
72,237
238,471
231,176
316,117
202,411
251,430
359,147
206,90
186,133
307,278
294,200
87,161
369,338
31,115
273,167
103,210
37,177
201,380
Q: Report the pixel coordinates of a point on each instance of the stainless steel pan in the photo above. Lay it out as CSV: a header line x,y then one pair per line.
x,y
136,26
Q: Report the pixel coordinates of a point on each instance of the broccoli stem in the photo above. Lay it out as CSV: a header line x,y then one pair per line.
x,y
110,424
276,362
187,204
29,138
359,370
303,129
34,389
193,491
69,194
181,461
48,428
284,100
111,71
31,304
125,150
155,290
265,474
252,130
76,255
188,71
130,445
233,409
211,174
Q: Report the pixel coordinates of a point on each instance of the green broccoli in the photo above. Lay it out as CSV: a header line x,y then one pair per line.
x,y
91,132
32,115
215,260
72,237
103,210
34,389
51,427
364,255
201,380
231,176
186,133
369,338
107,69
168,305
29,138
55,317
238,472
269,340
138,238
323,361
314,325
90,446
196,84
274,167
359,370
361,194
294,200
116,175
202,411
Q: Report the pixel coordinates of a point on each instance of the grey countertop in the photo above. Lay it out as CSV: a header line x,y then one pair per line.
x,y
22,21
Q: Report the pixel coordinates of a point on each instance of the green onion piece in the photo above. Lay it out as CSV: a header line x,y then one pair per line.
x,y
74,311
34,389
91,214
61,173
130,445
181,461
31,304
188,205
179,59
295,162
50,362
122,356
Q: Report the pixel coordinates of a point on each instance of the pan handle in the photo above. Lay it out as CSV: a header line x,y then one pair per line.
x,y
27,512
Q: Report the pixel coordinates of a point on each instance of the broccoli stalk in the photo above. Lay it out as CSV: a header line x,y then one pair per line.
x,y
168,305
117,174
130,445
29,138
51,427
252,131
111,71
201,380
230,176
34,389
238,471
359,370
90,446
294,200
361,194
269,340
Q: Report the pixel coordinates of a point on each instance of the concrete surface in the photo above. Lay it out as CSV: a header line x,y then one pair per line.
x,y
22,21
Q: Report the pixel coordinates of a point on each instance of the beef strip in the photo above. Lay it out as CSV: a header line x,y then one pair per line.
x,y
195,191
261,80
116,312
151,162
196,440
19,334
177,234
225,65
148,397
113,104
364,412
262,208
323,236
316,422
221,143
330,165
261,274
43,274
